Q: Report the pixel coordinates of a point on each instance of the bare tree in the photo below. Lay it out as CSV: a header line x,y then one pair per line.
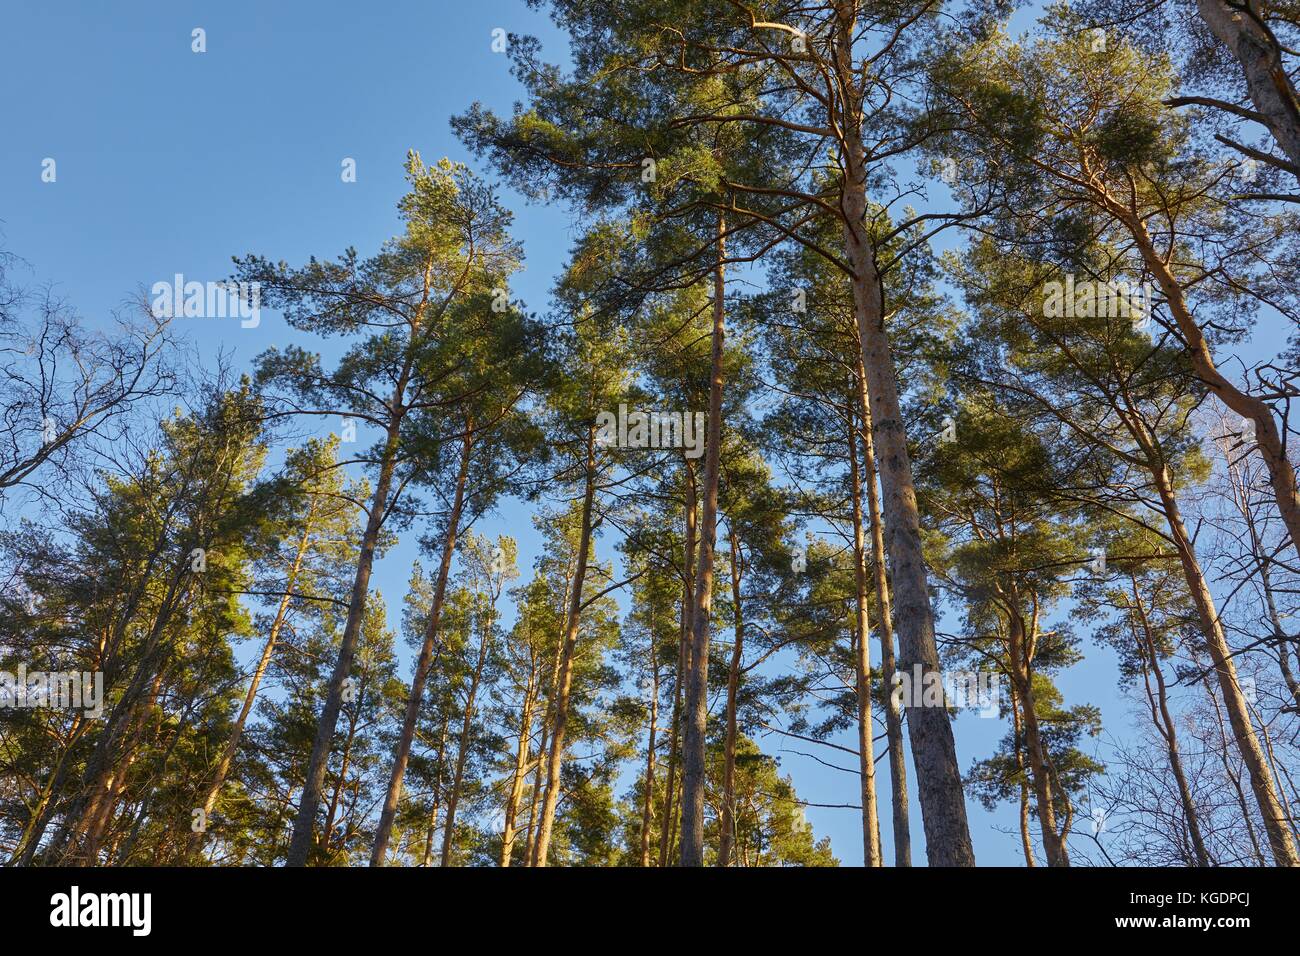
x,y
63,382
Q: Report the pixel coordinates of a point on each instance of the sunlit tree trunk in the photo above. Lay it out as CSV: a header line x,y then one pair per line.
x,y
437,792
305,822
648,787
509,834
336,798
1021,647
668,829
1267,437
862,667
727,823
902,827
272,638
402,753
697,683
934,752
100,810
1026,841
463,744
555,758
1267,81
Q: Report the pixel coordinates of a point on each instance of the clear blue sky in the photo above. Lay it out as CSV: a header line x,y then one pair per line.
x,y
170,161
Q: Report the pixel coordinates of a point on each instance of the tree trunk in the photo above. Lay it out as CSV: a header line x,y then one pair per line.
x,y
336,798
548,719
1240,485
102,776
893,718
25,849
1281,640
1261,63
727,836
232,743
668,834
462,749
934,752
429,832
556,756
521,764
648,794
111,775
1261,779
697,685
535,798
1026,841
403,752
1021,658
1281,472
861,641
304,823
1165,724
1230,772
437,793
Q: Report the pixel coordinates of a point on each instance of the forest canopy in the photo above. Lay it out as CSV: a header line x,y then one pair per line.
x,y
905,441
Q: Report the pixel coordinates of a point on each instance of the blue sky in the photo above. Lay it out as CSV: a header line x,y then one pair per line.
x,y
171,161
